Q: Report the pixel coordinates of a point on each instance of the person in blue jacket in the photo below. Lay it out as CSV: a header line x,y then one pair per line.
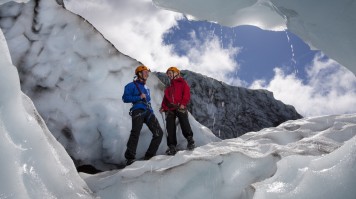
x,y
138,94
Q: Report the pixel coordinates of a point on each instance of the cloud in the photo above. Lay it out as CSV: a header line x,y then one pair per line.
x,y
209,58
330,88
137,27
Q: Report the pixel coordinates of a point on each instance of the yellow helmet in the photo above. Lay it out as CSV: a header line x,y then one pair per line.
x,y
174,69
141,68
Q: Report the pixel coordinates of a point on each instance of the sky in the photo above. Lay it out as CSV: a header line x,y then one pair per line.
x,y
288,161
259,50
247,56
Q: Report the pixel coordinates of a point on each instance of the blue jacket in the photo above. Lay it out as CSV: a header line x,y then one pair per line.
x,y
132,95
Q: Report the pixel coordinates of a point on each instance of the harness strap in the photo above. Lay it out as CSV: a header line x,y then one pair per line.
x,y
138,88
144,101
170,105
147,117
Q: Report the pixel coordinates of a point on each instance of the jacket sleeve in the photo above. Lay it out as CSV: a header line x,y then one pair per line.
x,y
129,94
164,101
186,94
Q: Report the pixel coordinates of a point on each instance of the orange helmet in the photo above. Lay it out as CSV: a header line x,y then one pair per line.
x,y
141,68
174,69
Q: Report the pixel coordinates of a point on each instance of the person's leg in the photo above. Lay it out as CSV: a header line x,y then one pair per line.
x,y
157,134
171,128
184,123
186,128
137,122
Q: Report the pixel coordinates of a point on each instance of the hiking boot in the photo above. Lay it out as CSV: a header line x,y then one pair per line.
x,y
190,145
171,150
130,161
147,157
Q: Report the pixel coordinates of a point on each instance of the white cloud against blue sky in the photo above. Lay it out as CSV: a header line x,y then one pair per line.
x,y
328,88
242,55
137,28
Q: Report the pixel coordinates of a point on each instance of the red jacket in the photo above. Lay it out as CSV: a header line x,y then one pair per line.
x,y
178,93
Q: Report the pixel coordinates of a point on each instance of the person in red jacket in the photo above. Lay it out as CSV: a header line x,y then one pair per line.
x,y
174,104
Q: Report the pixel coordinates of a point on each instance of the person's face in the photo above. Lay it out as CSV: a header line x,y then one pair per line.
x,y
170,74
145,74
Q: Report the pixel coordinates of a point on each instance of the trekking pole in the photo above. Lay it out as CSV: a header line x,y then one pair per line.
x,y
164,123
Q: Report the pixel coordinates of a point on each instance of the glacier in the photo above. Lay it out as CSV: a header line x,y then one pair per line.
x,y
288,161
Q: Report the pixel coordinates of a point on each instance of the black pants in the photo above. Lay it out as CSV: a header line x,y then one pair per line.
x,y
171,126
139,117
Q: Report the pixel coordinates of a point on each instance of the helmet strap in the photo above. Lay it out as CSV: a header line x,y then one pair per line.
x,y
175,76
139,77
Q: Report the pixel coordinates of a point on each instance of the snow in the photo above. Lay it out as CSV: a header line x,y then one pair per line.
x,y
34,164
19,1
289,161
307,158
76,79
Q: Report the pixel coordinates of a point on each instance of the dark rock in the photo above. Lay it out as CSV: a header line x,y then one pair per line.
x,y
231,111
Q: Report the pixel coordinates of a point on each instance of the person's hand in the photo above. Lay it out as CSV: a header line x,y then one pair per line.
x,y
182,107
161,110
143,96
